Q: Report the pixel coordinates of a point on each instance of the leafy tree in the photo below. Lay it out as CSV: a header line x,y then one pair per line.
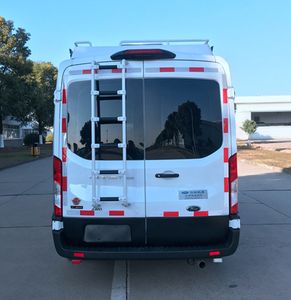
x,y
42,81
30,139
14,68
189,124
249,127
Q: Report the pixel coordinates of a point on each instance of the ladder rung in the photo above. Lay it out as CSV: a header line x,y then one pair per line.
x,y
108,93
110,97
109,198
109,145
108,67
109,120
108,172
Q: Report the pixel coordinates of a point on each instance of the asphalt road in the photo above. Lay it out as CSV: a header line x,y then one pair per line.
x,y
31,269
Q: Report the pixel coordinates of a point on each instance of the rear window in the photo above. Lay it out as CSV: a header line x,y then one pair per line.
x,y
182,117
167,118
79,124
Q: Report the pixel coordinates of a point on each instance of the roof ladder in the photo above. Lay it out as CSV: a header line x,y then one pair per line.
x,y
97,95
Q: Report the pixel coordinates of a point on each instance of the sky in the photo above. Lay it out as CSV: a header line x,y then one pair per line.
x,y
253,36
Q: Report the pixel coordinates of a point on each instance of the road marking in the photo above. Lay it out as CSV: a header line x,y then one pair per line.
x,y
119,281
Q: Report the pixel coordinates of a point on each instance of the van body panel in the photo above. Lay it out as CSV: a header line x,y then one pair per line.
x,y
79,169
201,180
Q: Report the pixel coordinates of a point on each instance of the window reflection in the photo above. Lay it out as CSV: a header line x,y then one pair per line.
x,y
79,125
183,118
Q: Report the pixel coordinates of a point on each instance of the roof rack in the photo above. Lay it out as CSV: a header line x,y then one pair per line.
x,y
83,43
162,42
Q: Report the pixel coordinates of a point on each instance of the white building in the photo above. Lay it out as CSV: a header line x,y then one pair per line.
x,y
14,132
271,113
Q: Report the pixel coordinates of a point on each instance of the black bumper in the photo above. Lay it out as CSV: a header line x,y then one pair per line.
x,y
222,245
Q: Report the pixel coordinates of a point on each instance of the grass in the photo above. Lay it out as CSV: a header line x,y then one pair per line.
x,y
266,157
13,156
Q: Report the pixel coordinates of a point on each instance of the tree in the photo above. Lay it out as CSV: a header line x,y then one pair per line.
x,y
249,127
43,82
14,68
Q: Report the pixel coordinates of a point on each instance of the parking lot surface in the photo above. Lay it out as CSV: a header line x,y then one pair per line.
x,y
31,269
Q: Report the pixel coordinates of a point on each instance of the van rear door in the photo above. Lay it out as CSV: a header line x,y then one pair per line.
x,y
185,166
77,146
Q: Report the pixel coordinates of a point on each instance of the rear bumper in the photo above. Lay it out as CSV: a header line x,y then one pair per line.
x,y
224,247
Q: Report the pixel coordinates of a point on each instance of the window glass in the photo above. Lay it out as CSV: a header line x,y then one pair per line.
x,y
182,117
79,124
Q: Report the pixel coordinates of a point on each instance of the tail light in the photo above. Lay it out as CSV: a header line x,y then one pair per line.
x,y
233,185
58,205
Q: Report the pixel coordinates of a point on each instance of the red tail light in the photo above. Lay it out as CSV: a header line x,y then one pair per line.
x,y
143,54
233,185
214,253
58,205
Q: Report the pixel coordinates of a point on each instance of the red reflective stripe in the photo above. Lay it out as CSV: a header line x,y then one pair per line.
x,y
87,212
171,214
225,154
64,125
64,96
64,154
116,70
201,213
214,253
196,69
225,125
225,96
116,212
88,71
64,183
168,69
78,254
226,187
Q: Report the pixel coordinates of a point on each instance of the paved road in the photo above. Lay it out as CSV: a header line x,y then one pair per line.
x,y
30,268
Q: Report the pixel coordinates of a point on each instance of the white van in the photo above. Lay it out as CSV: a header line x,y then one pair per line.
x,y
145,153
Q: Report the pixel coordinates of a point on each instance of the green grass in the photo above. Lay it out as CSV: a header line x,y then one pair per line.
x,y
14,156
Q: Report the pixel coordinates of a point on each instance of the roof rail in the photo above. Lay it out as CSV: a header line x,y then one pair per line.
x,y
77,44
162,42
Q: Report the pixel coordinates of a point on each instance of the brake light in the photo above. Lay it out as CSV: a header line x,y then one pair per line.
x,y
214,253
58,187
143,54
233,185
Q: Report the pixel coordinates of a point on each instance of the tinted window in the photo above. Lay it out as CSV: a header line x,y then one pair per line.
x,y
79,124
182,117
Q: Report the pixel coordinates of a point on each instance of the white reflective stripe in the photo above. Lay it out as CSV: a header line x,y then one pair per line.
x,y
226,199
57,225
104,72
235,224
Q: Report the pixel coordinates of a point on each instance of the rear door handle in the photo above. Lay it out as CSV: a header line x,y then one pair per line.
x,y
167,175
